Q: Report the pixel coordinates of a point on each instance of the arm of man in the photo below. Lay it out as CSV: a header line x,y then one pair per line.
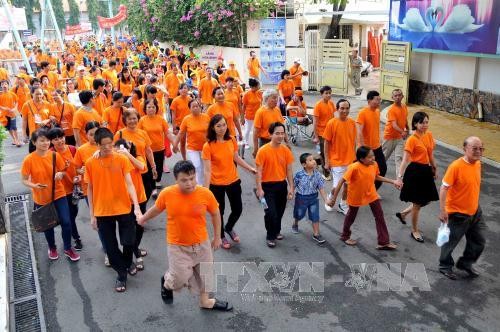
x,y
133,195
361,140
150,214
443,192
289,178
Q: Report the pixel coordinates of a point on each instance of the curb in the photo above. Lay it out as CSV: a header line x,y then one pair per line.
x,y
4,293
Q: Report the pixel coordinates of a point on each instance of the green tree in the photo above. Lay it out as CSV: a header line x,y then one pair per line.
x,y
29,7
74,13
338,10
58,9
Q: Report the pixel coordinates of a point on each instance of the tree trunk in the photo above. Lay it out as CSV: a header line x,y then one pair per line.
x,y
333,28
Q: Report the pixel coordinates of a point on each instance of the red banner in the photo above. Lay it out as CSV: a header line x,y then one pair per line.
x,y
108,22
78,29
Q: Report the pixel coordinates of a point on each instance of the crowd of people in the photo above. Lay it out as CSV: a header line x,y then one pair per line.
x,y
103,123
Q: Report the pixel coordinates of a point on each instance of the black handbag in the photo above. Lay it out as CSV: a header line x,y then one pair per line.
x,y
45,217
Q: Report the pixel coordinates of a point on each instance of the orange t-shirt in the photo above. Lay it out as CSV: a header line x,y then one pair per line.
x,y
420,147
228,111
398,114
370,120
232,73
252,100
83,153
294,112
196,127
23,95
206,87
341,136
39,170
64,115
83,83
110,75
109,191
186,214
274,162
136,176
263,119
70,170
233,96
7,99
156,127
253,67
100,103
297,80
35,113
80,119
286,87
221,156
172,83
126,88
323,112
361,183
139,137
4,74
463,180
138,105
113,117
180,105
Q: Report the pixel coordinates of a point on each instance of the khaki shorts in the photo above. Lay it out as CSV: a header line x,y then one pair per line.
x,y
191,267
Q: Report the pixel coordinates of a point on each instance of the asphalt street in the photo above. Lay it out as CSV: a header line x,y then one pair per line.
x,y
80,296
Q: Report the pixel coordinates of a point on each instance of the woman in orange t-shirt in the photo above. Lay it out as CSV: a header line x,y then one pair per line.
x,y
192,135
179,107
126,83
251,102
418,171
62,113
227,110
136,101
39,175
285,88
360,178
35,113
156,127
112,115
220,157
297,109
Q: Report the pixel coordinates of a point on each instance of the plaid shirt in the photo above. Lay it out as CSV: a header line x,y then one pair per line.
x,y
306,184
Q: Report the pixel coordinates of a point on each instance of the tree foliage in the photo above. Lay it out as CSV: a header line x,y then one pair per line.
x,y
58,9
338,9
217,22
74,13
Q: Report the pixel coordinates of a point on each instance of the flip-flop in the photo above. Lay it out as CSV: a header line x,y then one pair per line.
x,y
352,243
418,239
390,246
400,217
120,286
139,264
221,306
132,270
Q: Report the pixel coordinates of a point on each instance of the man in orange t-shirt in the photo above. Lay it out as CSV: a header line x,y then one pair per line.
x,y
264,117
368,126
396,129
324,110
459,208
112,196
254,67
274,181
340,147
206,87
190,252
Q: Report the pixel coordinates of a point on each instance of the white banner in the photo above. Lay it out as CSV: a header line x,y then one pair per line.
x,y
18,16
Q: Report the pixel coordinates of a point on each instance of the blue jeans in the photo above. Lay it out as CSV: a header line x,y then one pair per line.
x,y
62,208
306,203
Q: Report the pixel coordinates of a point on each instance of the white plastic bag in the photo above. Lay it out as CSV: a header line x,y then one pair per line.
x,y
443,235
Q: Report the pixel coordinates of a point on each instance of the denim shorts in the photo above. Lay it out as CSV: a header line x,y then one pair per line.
x,y
306,203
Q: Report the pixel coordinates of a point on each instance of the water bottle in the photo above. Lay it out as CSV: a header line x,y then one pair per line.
x,y
263,203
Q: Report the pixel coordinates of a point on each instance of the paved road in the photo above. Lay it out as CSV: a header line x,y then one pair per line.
x,y
80,297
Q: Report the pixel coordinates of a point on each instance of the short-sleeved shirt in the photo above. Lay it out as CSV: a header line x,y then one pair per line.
x,y
206,88
252,101
186,214
463,180
274,162
228,111
139,137
420,147
113,117
264,117
64,116
39,169
254,67
323,112
81,118
83,153
155,126
221,157
35,113
196,127
361,183
110,195
136,175
286,87
370,120
233,96
70,170
308,184
180,105
398,114
341,136
295,112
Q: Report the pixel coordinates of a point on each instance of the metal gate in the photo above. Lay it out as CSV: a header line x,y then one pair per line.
x,y
395,68
334,63
311,39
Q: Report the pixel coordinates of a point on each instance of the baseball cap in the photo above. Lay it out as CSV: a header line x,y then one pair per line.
x,y
80,68
298,60
231,62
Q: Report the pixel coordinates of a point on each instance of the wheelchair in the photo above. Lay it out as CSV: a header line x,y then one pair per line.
x,y
297,128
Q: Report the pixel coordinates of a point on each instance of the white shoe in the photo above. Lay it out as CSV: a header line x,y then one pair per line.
x,y
247,147
328,208
342,209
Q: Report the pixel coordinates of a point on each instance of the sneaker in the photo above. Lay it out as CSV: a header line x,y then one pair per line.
x,y
167,295
318,238
247,147
106,261
295,229
78,245
53,255
72,255
342,209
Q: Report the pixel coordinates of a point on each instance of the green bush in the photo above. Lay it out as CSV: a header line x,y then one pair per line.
x,y
3,136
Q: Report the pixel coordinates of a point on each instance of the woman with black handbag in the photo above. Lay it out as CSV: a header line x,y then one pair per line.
x,y
42,171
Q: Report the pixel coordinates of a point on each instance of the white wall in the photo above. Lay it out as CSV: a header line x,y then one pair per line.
x,y
457,71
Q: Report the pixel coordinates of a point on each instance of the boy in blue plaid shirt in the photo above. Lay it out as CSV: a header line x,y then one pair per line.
x,y
308,182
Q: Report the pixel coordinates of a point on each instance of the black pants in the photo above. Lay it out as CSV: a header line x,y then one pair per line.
x,y
120,261
326,172
73,212
275,194
139,230
473,228
233,192
382,166
159,157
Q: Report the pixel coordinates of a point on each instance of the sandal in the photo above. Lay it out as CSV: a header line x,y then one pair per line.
x,y
225,243
139,264
350,242
400,217
271,244
389,246
143,252
220,306
120,286
233,236
132,270
279,237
